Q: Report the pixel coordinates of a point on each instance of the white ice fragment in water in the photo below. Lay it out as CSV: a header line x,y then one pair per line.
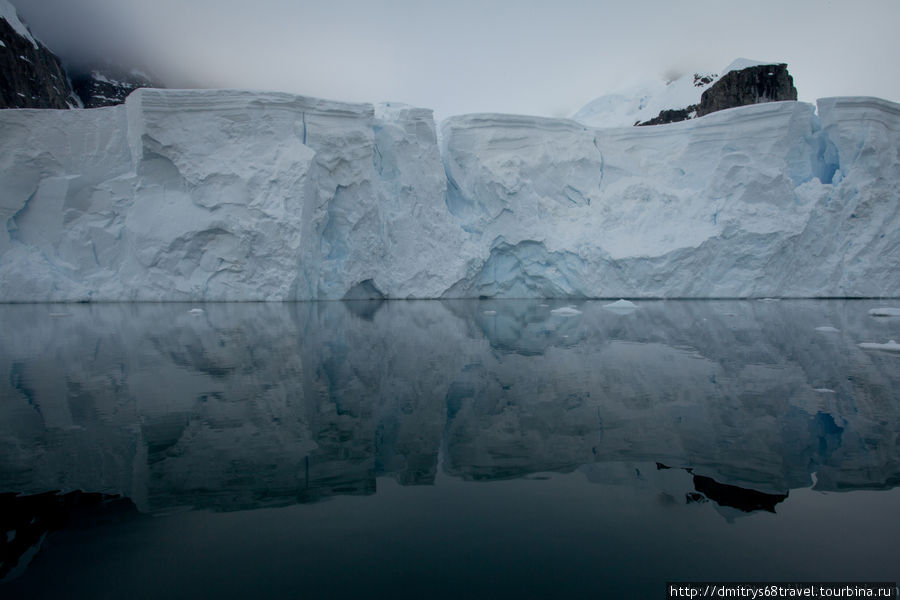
x,y
196,311
566,311
490,312
544,305
885,311
621,306
621,303
823,390
891,346
827,329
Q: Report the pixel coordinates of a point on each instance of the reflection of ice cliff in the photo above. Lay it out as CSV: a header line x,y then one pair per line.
x,y
265,405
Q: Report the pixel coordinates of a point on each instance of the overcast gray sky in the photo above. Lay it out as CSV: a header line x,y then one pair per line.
x,y
518,56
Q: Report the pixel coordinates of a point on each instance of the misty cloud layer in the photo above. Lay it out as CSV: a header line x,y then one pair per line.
x,y
521,57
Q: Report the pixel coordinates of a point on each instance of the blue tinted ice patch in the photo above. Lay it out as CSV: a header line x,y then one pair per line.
x,y
826,161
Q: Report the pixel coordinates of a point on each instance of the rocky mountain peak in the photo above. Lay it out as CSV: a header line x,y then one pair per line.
x,y
751,85
743,83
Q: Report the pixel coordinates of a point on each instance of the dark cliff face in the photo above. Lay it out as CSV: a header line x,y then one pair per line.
x,y
753,85
107,85
30,77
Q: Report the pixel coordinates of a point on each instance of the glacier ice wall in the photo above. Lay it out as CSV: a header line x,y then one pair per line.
x,y
221,195
765,200
231,195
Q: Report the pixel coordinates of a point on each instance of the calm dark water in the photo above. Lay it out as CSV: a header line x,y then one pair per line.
x,y
444,449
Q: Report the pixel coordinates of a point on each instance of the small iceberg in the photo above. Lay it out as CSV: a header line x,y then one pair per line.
x,y
885,311
490,312
891,346
196,311
827,329
823,390
621,306
565,311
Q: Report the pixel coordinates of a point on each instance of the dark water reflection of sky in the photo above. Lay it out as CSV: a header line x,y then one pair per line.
x,y
444,449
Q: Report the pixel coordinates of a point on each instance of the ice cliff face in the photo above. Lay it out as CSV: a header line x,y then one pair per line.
x,y
225,195
756,201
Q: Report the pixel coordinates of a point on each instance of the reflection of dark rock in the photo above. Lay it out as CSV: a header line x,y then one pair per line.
x,y
26,520
364,309
737,497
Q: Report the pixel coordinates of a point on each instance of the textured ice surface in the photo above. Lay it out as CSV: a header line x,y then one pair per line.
x,y
230,195
758,201
885,312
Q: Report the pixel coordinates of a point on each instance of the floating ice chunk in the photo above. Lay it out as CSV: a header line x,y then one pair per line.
x,y
196,311
544,305
622,307
823,390
621,303
770,299
885,311
827,329
891,346
490,312
566,311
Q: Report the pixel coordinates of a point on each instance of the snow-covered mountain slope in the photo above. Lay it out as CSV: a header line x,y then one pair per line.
x,y
641,102
227,195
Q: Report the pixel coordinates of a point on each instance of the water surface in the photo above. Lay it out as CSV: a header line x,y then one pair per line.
x,y
444,449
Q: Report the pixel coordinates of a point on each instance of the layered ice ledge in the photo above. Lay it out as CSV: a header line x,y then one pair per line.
x,y
228,195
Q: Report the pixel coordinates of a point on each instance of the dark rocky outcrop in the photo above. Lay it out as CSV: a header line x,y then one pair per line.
x,y
107,85
30,76
753,85
672,116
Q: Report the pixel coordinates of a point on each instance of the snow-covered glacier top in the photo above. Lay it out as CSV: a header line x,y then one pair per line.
x,y
234,195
